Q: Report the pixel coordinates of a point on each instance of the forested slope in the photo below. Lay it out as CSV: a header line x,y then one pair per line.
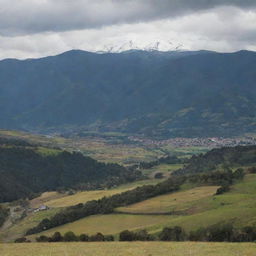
x,y
26,170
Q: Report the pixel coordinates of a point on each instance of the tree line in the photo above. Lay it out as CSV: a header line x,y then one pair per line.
x,y
214,233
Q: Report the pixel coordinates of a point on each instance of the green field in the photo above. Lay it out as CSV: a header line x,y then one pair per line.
x,y
110,224
173,202
129,249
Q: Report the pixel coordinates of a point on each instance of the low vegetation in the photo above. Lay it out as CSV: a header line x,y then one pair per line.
x,y
3,214
127,248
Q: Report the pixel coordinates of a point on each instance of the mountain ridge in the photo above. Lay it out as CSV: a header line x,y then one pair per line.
x,y
153,93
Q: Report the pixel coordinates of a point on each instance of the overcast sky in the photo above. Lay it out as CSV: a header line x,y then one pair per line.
x,y
36,28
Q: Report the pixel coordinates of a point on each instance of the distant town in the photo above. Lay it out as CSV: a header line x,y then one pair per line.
x,y
213,142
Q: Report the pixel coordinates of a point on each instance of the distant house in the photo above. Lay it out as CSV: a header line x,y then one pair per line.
x,y
41,208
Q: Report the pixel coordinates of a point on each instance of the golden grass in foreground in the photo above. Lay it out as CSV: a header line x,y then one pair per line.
x,y
179,201
129,249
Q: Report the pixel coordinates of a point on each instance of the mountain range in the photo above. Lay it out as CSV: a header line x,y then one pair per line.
x,y
161,94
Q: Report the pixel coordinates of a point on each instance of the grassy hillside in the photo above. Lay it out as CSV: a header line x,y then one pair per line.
x,y
236,207
128,248
56,201
171,203
110,224
18,228
84,196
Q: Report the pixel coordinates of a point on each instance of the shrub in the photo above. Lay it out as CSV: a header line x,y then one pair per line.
x,y
126,235
83,238
97,238
70,237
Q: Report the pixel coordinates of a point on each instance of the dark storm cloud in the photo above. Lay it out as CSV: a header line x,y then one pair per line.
x,y
19,17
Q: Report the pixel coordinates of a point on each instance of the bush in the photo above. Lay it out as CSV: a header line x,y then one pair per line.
x,y
70,237
126,235
22,240
56,237
222,189
83,238
252,169
159,175
97,238
43,239
172,234
109,238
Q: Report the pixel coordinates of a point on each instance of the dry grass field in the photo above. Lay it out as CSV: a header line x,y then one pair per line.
x,y
129,249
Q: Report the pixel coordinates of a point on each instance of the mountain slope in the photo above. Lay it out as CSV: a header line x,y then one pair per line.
x,y
155,93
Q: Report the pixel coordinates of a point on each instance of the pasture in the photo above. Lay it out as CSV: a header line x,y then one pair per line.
x,y
173,202
109,224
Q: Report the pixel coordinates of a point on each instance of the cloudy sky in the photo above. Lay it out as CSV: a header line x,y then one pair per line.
x,y
35,28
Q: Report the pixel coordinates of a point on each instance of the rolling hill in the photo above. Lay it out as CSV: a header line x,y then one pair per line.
x,y
154,93
27,169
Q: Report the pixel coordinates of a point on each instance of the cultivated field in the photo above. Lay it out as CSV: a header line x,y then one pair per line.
x,y
129,249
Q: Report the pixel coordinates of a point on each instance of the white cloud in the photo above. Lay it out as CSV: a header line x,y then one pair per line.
x,y
35,16
220,29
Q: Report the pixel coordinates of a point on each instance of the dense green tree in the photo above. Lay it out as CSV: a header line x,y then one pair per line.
x,y
70,237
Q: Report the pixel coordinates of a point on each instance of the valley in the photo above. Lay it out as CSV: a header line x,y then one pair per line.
x,y
128,128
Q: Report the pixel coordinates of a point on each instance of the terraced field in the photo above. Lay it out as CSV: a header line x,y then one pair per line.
x,y
129,249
